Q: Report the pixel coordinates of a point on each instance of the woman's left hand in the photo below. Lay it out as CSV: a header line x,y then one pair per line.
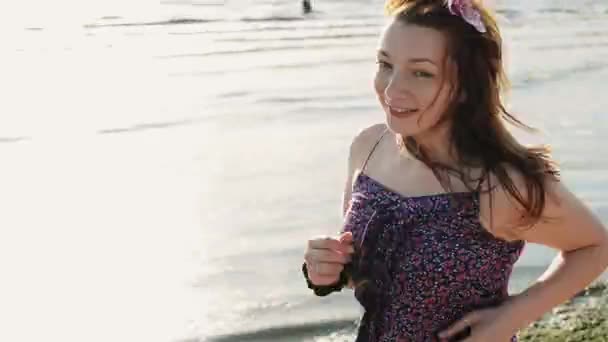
x,y
487,325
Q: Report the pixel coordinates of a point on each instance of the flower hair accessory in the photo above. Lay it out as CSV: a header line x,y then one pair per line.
x,y
465,10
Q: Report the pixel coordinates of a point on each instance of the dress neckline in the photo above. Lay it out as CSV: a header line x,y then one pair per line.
x,y
474,194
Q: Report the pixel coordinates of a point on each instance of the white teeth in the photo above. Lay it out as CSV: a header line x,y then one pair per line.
x,y
403,110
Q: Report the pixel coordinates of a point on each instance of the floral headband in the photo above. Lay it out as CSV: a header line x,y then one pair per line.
x,y
465,9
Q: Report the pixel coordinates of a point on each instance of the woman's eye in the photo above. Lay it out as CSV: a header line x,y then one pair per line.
x,y
384,65
422,74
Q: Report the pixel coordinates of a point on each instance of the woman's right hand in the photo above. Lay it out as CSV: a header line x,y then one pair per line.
x,y
326,256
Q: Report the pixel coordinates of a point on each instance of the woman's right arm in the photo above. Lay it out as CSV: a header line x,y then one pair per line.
x,y
325,257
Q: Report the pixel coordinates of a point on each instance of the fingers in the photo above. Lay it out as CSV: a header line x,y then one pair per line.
x,y
346,237
325,269
326,256
331,243
467,321
324,273
322,280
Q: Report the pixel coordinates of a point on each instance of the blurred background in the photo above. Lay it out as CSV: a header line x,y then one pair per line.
x,y
162,165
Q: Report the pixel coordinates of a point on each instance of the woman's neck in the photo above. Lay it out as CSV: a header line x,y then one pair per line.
x,y
437,146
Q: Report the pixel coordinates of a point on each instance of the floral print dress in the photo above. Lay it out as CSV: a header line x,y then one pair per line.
x,y
426,261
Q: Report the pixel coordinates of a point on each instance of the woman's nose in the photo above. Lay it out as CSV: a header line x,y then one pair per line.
x,y
398,88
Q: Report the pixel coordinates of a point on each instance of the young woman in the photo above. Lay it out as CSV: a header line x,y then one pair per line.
x,y
440,198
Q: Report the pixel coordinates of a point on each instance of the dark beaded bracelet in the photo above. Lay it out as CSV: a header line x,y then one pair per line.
x,y
324,290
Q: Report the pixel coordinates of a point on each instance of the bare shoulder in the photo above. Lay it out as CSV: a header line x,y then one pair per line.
x,y
359,149
363,142
566,221
500,213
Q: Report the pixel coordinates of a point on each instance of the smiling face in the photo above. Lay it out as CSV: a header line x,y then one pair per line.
x,y
414,78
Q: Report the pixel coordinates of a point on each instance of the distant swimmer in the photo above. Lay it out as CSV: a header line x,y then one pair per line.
x,y
306,6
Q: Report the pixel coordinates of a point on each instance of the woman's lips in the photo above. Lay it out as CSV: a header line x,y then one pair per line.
x,y
402,113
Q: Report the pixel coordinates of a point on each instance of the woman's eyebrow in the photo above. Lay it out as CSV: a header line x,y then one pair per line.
x,y
411,60
421,60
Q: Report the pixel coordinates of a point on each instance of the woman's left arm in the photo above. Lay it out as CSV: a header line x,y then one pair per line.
x,y
568,226
582,240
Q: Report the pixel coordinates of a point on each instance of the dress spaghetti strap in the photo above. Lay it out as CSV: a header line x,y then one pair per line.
x,y
373,149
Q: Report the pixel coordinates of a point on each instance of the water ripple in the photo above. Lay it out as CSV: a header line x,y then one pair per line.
x,y
146,126
259,49
279,28
177,21
317,37
9,140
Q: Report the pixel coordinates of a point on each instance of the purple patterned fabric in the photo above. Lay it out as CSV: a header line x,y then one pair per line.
x,y
427,261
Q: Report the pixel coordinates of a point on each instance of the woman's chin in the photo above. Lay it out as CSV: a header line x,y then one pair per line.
x,y
403,126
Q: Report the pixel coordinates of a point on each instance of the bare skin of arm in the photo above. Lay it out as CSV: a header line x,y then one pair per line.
x,y
359,149
569,227
325,257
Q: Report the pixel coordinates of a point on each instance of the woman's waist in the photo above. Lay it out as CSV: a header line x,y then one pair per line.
x,y
433,303
417,317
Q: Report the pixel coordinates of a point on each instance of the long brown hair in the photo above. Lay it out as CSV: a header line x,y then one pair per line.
x,y
478,133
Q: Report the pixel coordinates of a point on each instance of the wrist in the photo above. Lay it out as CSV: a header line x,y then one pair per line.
x,y
324,290
516,312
